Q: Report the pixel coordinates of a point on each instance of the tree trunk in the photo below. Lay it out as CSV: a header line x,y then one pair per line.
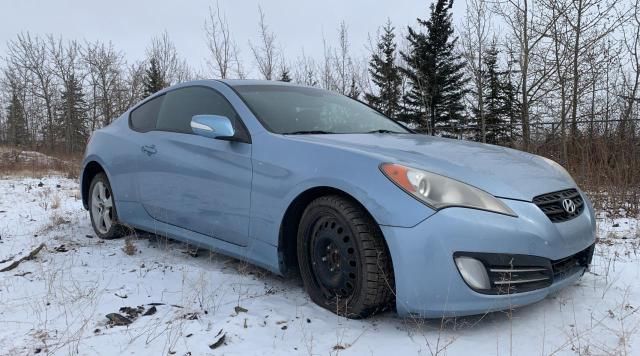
x,y
576,78
524,110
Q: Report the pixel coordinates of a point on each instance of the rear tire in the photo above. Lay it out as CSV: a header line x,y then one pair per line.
x,y
344,262
102,209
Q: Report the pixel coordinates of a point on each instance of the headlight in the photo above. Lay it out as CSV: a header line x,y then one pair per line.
x,y
440,192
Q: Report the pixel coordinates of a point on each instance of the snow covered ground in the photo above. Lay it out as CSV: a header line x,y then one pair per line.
x,y
57,302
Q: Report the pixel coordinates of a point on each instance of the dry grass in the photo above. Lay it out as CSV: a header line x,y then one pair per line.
x,y
55,201
17,162
606,166
129,247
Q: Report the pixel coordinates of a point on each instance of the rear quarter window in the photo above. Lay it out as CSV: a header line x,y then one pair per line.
x,y
145,116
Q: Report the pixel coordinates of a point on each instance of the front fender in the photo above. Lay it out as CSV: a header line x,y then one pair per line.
x,y
284,168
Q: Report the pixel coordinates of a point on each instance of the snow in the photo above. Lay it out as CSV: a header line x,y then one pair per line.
x,y
57,303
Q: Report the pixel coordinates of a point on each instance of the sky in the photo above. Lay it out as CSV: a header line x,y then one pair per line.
x,y
130,24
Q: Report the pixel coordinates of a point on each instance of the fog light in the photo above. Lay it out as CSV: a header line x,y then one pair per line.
x,y
473,272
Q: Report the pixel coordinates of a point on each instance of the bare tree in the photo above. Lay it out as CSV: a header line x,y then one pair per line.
x,y
632,44
3,123
65,57
475,34
265,51
105,66
239,70
222,48
559,34
338,70
343,65
172,68
71,119
590,21
305,71
284,70
529,26
134,83
326,69
30,55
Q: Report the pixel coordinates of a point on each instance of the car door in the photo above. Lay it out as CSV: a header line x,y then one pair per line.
x,y
194,182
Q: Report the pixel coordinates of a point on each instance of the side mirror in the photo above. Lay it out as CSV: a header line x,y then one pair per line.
x,y
213,126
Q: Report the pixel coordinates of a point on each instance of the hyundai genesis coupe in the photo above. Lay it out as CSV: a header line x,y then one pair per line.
x,y
369,213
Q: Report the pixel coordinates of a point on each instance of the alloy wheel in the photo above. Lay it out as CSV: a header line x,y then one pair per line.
x,y
102,207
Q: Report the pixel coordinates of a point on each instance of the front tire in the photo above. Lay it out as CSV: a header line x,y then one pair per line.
x,y
102,209
343,260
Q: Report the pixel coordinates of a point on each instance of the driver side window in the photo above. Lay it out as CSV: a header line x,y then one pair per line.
x,y
180,105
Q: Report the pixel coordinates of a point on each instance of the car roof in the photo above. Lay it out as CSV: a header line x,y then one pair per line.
x,y
234,83
242,82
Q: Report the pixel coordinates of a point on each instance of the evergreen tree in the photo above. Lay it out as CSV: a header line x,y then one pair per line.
x,y
72,117
16,122
492,97
153,79
511,108
284,75
354,91
385,75
499,100
310,78
435,71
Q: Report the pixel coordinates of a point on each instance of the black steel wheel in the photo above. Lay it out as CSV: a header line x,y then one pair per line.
x,y
344,262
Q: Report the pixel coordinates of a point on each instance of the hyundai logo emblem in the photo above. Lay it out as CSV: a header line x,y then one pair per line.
x,y
569,206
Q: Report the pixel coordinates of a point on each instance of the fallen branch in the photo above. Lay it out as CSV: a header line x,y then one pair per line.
x,y
30,256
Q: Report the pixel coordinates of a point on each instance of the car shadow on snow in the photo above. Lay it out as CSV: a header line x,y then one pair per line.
x,y
292,283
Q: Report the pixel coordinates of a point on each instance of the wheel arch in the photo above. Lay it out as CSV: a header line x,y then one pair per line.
x,y
91,169
288,235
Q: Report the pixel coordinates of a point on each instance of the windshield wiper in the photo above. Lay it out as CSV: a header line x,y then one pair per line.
x,y
308,132
383,131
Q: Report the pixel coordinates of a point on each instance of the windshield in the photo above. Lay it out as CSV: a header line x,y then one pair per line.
x,y
300,110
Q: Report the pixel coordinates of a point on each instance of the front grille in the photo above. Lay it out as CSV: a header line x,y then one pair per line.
x,y
551,204
511,274
569,265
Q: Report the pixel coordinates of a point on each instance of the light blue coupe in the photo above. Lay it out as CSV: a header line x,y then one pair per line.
x,y
293,178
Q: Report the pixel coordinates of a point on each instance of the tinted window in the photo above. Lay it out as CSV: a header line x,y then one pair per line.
x,y
289,109
144,117
182,104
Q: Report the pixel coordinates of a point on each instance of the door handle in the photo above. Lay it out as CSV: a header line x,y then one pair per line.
x,y
149,149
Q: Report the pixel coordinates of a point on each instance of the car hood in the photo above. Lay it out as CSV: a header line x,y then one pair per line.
x,y
501,171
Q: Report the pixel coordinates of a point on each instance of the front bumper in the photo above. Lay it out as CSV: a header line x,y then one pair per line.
x,y
428,283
